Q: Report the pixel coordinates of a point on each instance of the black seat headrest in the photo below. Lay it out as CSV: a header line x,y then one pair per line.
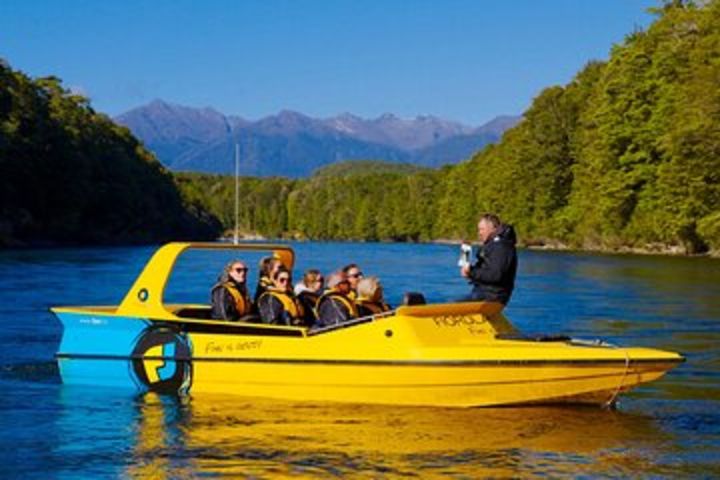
x,y
413,298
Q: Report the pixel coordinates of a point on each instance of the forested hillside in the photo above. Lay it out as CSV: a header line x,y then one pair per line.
x,y
627,155
70,175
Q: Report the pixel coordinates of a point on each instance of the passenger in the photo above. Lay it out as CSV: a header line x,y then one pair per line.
x,y
493,274
308,292
267,268
353,275
370,297
335,305
278,305
230,299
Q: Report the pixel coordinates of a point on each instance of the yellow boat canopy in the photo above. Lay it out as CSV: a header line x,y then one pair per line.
x,y
145,297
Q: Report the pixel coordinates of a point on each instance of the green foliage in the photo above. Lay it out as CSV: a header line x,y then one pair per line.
x,y
355,167
70,175
647,165
262,207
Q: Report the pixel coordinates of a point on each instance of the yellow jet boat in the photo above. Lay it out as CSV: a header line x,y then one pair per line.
x,y
448,354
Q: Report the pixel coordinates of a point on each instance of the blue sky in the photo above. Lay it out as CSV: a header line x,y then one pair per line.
x,y
462,60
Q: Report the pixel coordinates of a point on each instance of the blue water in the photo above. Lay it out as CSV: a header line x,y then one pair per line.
x,y
666,429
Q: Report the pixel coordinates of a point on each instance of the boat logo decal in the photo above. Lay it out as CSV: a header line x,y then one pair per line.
x,y
457,320
230,347
93,321
160,361
475,324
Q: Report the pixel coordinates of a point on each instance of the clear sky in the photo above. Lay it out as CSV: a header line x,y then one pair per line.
x,y
462,60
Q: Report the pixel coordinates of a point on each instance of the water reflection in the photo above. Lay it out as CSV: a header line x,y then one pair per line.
x,y
668,428
159,435
262,439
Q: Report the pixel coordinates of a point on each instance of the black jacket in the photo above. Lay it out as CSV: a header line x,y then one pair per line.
x,y
223,303
493,274
309,301
273,311
333,308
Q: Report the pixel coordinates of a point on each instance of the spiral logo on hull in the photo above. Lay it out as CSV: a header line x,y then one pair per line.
x,y
160,361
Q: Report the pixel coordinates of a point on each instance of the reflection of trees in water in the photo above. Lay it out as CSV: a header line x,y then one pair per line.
x,y
252,437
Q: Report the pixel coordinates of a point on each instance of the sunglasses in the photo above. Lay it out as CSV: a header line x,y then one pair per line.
x,y
355,275
241,270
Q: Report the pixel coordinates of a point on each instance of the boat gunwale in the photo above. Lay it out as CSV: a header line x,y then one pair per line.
x,y
174,320
585,362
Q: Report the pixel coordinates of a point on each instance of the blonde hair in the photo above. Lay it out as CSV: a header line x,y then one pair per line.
x,y
369,288
311,276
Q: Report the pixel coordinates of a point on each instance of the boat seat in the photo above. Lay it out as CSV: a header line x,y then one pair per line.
x,y
250,318
203,313
413,298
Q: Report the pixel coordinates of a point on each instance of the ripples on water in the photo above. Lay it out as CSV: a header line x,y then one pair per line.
x,y
669,428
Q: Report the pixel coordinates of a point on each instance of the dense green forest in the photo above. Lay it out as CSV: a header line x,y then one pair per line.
x,y
70,175
627,155
364,200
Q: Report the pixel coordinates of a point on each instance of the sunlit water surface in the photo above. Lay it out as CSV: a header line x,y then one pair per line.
x,y
669,428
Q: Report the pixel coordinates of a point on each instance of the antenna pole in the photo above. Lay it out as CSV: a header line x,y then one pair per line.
x,y
237,191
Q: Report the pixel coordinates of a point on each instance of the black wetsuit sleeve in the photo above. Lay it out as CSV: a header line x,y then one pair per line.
x,y
341,312
330,313
223,305
271,310
259,290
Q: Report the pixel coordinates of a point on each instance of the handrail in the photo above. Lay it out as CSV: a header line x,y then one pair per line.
x,y
145,297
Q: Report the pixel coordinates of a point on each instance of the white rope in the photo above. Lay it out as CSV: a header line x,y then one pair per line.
x,y
611,402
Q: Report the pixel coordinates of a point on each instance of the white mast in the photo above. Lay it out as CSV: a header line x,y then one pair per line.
x,y
237,191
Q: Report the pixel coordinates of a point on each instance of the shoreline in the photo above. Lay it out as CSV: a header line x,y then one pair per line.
x,y
652,250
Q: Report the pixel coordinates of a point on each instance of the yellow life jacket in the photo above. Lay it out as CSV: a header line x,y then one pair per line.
x,y
333,293
290,304
242,301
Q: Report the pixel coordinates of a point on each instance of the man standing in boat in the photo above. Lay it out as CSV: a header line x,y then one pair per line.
x,y
493,274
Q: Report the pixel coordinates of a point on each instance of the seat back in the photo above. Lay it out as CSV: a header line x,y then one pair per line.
x,y
413,298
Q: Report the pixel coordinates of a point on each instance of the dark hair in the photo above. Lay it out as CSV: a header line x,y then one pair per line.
x,y
266,264
349,267
491,218
281,269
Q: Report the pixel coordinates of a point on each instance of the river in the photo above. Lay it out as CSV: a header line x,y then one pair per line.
x,y
669,428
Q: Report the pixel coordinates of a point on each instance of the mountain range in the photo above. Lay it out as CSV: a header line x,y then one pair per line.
x,y
294,145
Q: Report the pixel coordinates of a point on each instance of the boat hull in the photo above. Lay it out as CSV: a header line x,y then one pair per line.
x,y
437,385
387,361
